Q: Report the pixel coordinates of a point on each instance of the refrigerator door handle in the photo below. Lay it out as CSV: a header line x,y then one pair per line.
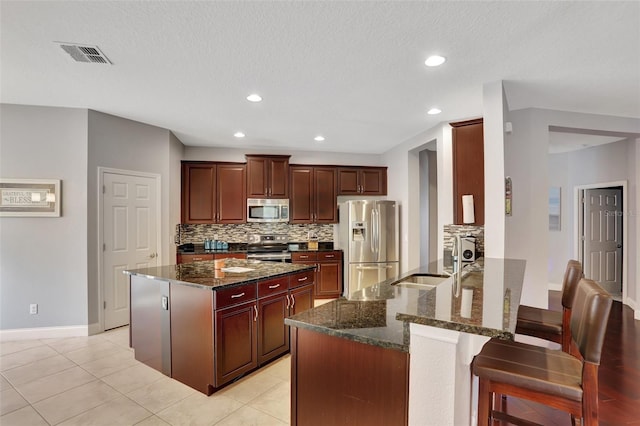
x,y
375,219
364,268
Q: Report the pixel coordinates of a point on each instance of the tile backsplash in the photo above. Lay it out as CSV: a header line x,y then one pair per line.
x,y
465,230
238,233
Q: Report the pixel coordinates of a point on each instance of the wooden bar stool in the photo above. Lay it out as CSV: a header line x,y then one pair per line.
x,y
552,325
566,381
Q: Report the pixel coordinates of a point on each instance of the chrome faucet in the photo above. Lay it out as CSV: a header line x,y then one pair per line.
x,y
455,251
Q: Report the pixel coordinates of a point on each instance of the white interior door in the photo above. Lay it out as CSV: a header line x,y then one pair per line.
x,y
130,220
603,237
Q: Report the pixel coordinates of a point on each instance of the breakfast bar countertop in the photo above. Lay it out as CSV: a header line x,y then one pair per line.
x,y
483,300
205,275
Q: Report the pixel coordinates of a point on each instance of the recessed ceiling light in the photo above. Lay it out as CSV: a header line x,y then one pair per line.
x,y
434,61
318,138
254,97
434,111
238,135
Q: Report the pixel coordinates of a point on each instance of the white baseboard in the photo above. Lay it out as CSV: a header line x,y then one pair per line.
x,y
632,304
554,287
43,333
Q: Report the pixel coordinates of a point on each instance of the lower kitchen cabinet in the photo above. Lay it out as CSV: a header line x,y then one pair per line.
x,y
235,342
301,299
328,281
273,335
189,258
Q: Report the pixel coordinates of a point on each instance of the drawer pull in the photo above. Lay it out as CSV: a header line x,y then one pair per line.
x,y
235,296
302,279
274,286
288,302
197,258
293,301
255,309
329,255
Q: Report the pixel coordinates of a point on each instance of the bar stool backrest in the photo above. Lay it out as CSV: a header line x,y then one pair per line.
x,y
589,317
572,276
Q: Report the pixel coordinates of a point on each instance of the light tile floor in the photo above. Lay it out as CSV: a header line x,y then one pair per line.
x,y
96,381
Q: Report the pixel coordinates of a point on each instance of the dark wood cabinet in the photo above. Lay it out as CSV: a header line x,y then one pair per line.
x,y
235,341
360,383
362,181
267,176
273,334
328,280
213,192
313,194
468,167
301,299
190,258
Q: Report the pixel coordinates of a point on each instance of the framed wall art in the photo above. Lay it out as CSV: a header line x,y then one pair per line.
x,y
30,197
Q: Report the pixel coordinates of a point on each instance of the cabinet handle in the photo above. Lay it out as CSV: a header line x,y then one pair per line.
x,y
329,256
302,279
288,301
293,301
197,258
304,257
234,296
274,286
255,315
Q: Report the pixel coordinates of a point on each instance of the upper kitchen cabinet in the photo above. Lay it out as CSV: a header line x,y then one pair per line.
x,y
313,194
214,192
267,176
362,181
468,168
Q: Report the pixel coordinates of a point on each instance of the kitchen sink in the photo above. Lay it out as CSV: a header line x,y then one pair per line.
x,y
422,281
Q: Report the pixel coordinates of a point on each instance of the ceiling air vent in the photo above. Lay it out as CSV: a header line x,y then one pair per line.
x,y
84,53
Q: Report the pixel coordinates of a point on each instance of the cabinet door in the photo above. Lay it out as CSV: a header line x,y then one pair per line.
x,y
373,181
301,299
301,203
198,193
348,181
257,177
235,342
279,177
329,280
231,193
273,335
325,195
468,168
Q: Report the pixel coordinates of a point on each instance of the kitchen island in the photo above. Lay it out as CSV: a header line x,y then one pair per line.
x,y
399,352
206,327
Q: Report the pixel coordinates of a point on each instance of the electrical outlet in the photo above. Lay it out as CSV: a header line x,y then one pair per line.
x,y
33,308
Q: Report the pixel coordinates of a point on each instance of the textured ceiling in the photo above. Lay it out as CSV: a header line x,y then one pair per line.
x,y
351,71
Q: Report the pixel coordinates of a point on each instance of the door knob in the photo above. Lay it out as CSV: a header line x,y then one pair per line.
x,y
619,246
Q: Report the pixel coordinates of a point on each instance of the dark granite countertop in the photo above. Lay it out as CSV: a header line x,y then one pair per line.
x,y
242,248
483,301
204,274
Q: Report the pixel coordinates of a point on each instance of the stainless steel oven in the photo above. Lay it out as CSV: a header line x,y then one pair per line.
x,y
272,248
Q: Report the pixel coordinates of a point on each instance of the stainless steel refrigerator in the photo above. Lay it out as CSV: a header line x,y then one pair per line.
x,y
369,237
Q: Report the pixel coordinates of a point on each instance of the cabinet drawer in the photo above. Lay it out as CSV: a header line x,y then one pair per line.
x,y
303,256
329,255
274,286
235,295
302,278
188,258
230,256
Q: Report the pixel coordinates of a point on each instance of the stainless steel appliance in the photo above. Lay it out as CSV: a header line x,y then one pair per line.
x,y
267,210
271,247
369,238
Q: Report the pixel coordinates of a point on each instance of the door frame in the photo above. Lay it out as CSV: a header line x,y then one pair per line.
x,y
579,218
99,252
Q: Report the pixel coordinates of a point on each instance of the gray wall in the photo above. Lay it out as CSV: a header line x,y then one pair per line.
x,y
600,164
44,260
119,143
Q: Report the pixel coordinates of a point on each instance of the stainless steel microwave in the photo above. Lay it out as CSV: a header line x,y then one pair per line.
x,y
267,210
